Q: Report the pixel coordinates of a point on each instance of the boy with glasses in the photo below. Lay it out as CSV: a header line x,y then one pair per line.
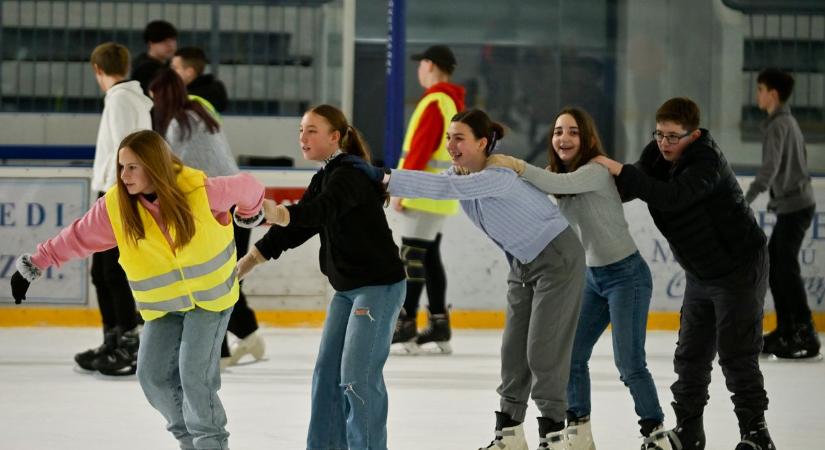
x,y
695,201
784,173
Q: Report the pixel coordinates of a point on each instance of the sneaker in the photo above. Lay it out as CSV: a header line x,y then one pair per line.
x,y
507,437
579,434
122,360
801,342
657,440
552,440
438,331
86,359
757,439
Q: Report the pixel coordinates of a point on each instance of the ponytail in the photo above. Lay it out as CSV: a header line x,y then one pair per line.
x,y
482,127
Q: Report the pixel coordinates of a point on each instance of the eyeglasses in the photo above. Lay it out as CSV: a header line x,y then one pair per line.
x,y
671,138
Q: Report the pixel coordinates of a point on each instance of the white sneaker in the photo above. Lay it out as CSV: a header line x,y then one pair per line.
x,y
253,345
657,440
511,438
579,434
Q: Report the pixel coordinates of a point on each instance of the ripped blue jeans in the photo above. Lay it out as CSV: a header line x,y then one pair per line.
x,y
349,398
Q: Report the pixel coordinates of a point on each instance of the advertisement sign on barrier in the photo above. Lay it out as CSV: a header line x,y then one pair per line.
x,y
33,210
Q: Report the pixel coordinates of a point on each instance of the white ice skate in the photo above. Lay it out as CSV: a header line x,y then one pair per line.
x,y
253,345
557,440
657,440
511,438
579,434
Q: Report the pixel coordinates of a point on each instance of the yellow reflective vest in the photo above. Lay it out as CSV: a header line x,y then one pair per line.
x,y
439,161
201,274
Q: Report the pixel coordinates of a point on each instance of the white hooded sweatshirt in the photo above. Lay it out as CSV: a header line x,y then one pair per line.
x,y
126,109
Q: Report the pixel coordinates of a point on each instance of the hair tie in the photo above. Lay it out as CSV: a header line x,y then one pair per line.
x,y
492,145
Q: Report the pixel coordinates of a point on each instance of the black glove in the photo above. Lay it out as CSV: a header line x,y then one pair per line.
x,y
19,287
375,174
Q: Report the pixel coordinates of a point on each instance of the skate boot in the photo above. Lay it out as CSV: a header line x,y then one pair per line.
x,y
509,434
657,440
801,342
86,359
689,433
770,341
438,331
406,333
552,435
122,360
579,434
757,438
253,345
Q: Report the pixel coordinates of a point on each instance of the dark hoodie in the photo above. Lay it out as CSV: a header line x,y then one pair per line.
x,y
697,204
210,89
144,69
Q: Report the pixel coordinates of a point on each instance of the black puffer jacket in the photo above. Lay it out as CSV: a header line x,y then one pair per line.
x,y
698,206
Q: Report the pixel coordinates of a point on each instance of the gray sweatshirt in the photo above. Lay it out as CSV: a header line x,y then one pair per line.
x,y
784,165
592,206
202,150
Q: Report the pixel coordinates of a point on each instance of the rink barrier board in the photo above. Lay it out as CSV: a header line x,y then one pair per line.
x,y
12,316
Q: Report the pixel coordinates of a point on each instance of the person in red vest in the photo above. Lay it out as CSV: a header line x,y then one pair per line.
x,y
425,148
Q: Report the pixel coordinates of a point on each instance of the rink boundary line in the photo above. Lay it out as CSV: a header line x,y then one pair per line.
x,y
12,316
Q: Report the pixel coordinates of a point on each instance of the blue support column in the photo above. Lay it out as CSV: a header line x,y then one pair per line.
x,y
394,117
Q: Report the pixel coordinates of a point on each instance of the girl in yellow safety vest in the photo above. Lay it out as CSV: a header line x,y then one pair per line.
x,y
174,231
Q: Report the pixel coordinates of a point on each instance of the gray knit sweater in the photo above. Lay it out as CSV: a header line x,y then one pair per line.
x,y
593,208
202,150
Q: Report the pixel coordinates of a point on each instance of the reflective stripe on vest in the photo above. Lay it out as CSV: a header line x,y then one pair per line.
x,y
440,159
200,274
184,302
188,272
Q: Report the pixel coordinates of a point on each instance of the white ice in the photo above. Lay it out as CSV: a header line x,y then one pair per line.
x,y
436,402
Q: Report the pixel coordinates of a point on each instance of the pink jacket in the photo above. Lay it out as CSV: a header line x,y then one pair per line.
x,y
93,232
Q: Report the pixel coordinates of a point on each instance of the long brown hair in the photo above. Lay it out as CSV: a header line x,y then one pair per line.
x,y
162,168
351,140
590,143
171,102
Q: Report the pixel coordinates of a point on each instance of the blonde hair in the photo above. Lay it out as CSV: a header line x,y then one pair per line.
x,y
162,168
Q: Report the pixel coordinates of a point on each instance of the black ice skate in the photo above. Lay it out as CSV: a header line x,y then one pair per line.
x,y
86,359
405,333
438,331
801,342
757,439
122,360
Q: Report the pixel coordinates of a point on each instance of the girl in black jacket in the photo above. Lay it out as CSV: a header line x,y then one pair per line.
x,y
358,255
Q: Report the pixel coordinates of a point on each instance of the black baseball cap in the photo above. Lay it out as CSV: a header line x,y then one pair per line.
x,y
441,55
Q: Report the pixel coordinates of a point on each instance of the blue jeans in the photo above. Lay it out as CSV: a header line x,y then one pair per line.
x,y
617,294
349,398
178,371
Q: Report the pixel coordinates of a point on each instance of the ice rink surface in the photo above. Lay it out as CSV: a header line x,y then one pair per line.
x,y
436,402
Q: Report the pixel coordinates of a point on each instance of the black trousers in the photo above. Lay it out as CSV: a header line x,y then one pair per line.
x,y
114,297
242,321
723,316
789,296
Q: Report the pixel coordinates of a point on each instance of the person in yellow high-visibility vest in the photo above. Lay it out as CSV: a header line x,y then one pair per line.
x,y
425,148
174,231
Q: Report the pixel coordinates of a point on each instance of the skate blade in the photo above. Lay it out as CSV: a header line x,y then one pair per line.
x,y
436,349
115,376
78,369
409,348
248,362
775,359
